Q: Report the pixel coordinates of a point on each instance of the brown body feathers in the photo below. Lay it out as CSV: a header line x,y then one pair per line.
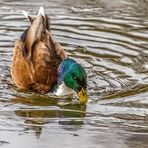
x,y
36,57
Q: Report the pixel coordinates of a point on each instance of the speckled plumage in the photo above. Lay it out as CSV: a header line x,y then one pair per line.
x,y
36,57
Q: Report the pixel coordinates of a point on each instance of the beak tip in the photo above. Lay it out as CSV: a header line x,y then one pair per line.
x,y
83,97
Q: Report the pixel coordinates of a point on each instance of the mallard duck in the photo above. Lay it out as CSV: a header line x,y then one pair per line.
x,y
40,64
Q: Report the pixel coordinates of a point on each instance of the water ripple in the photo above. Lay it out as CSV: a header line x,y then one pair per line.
x,y
109,38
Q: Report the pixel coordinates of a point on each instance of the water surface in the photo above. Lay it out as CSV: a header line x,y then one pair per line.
x,y
110,39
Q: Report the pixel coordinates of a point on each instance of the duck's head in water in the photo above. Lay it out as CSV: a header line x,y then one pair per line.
x,y
72,78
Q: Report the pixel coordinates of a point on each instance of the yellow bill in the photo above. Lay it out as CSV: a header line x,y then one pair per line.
x,y
83,97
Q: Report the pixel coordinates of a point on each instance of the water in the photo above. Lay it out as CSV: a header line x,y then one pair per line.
x,y
109,38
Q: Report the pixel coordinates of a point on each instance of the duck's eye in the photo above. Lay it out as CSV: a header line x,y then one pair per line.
x,y
74,78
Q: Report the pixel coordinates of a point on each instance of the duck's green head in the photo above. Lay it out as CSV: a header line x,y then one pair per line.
x,y
74,76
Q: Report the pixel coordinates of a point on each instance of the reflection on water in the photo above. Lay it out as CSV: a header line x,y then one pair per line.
x,y
35,119
110,39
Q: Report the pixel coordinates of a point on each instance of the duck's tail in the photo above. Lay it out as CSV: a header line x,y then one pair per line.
x,y
30,18
37,31
40,12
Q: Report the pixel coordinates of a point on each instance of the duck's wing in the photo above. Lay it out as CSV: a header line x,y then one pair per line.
x,y
40,30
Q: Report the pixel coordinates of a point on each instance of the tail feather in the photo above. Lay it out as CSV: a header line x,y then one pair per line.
x,y
25,13
31,19
41,12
